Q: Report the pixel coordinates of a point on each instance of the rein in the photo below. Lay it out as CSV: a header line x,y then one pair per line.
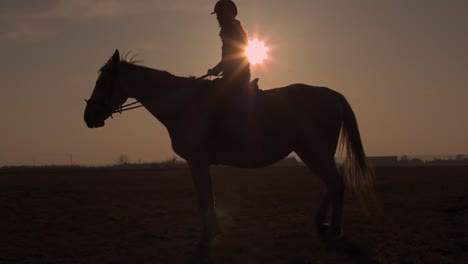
x,y
120,108
125,107
203,77
133,105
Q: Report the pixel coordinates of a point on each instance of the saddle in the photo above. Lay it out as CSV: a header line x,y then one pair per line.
x,y
240,101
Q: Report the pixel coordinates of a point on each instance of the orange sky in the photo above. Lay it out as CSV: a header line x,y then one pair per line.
x,y
402,64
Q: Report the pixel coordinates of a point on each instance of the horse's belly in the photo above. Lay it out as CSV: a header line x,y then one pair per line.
x,y
251,154
242,161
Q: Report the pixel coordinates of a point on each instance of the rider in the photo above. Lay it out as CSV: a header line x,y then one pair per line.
x,y
234,65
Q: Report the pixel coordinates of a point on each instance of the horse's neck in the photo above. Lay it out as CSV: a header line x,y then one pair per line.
x,y
141,82
159,91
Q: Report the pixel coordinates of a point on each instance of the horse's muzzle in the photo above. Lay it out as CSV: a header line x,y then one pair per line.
x,y
93,120
95,124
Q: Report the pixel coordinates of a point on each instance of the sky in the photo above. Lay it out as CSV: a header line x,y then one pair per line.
x,y
402,64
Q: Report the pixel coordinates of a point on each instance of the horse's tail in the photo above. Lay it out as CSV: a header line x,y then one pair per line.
x,y
358,175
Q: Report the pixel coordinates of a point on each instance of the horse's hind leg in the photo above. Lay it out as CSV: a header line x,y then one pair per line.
x,y
327,171
336,186
322,228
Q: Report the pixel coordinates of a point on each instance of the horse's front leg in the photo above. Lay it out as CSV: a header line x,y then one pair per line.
x,y
203,184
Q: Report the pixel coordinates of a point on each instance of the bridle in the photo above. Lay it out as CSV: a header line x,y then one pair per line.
x,y
111,110
119,109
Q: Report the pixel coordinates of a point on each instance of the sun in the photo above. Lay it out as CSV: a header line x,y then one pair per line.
x,y
256,51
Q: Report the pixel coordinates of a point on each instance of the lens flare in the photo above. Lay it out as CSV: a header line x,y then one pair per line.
x,y
256,51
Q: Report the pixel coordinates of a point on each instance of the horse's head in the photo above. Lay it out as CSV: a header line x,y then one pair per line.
x,y
107,95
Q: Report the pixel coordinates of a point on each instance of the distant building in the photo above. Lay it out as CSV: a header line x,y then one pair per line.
x,y
383,161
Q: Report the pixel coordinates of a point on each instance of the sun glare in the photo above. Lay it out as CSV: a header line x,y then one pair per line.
x,y
256,51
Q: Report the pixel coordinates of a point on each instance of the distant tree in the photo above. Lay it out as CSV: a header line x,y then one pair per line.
x,y
404,159
172,160
122,160
170,163
460,157
416,161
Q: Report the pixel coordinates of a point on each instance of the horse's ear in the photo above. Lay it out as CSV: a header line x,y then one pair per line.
x,y
116,57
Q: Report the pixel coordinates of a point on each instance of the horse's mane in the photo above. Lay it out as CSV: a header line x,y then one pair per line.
x,y
125,57
129,59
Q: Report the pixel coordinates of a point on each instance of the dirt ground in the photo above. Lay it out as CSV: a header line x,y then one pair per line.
x,y
266,214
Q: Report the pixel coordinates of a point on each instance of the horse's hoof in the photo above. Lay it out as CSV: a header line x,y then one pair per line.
x,y
203,255
207,243
334,241
329,236
323,230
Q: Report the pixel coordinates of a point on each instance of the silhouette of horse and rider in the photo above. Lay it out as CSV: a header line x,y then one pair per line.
x,y
219,122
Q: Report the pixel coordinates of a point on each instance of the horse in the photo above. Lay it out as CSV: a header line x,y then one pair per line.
x,y
307,120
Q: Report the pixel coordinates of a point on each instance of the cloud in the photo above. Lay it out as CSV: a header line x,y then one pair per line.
x,y
151,45
89,9
10,7
115,9
26,32
42,17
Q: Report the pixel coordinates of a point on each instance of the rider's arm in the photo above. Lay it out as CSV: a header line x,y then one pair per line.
x,y
216,69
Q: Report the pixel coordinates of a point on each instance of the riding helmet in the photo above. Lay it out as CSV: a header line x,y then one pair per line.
x,y
225,6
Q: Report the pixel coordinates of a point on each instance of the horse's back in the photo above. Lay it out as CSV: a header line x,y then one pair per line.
x,y
299,99
300,90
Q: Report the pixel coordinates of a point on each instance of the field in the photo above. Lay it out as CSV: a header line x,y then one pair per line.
x,y
151,217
